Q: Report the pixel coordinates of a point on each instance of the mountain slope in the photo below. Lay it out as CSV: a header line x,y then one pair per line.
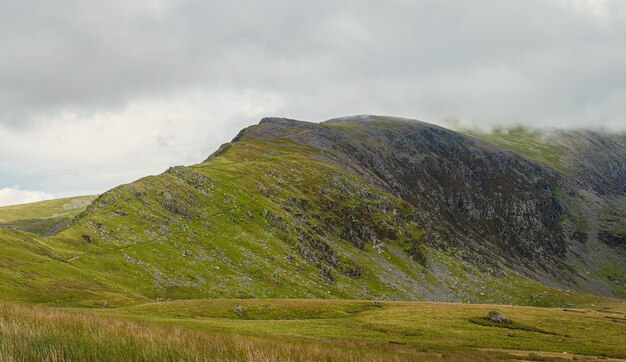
x,y
362,207
594,158
593,165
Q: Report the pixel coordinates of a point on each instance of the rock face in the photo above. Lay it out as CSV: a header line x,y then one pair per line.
x,y
482,192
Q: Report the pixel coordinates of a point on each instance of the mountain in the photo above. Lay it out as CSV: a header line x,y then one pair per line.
x,y
363,207
44,217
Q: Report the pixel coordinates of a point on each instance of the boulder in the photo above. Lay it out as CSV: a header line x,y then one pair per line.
x,y
497,317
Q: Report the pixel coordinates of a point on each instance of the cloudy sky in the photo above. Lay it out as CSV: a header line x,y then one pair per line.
x,y
94,94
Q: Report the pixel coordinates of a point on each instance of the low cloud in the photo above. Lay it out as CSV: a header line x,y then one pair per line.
x,y
14,196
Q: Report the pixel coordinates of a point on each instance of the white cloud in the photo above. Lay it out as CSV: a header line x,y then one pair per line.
x,y
14,196
601,9
80,149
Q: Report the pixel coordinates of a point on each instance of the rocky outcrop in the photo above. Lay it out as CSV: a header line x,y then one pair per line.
x,y
497,317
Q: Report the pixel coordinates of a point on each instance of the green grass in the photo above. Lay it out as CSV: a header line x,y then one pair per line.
x,y
528,143
67,207
483,321
43,217
300,330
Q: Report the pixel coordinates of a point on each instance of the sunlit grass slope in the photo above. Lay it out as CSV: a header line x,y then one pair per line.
x,y
34,271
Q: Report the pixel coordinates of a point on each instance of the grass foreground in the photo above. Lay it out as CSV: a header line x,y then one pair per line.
x,y
303,330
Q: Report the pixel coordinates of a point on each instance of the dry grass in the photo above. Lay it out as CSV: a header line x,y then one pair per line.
x,y
35,333
208,330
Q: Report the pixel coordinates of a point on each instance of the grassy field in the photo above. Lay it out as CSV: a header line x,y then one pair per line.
x,y
295,330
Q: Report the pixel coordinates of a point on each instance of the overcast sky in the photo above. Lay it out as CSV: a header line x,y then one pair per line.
x,y
94,94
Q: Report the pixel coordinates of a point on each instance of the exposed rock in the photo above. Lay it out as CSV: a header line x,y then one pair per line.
x,y
612,238
497,317
239,310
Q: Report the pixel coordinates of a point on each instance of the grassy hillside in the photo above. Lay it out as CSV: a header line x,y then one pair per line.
x,y
43,217
301,330
66,207
215,234
529,143
33,270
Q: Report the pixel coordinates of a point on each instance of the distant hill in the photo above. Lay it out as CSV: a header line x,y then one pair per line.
x,y
363,207
43,217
